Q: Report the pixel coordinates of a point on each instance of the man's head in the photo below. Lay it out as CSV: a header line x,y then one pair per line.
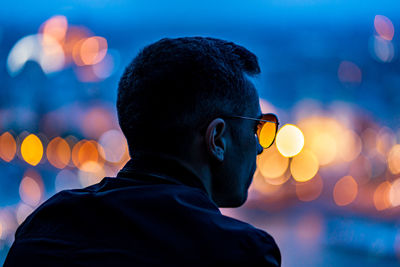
x,y
176,98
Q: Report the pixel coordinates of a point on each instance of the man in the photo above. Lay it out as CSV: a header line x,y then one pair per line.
x,y
194,128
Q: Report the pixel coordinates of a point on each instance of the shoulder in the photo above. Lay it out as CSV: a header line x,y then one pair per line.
x,y
258,246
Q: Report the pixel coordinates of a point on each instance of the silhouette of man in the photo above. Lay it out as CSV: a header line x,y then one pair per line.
x,y
194,128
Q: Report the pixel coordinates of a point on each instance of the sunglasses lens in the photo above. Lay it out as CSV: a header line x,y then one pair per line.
x,y
267,131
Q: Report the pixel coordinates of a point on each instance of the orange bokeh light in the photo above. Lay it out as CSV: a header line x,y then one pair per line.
x,y
55,27
8,147
381,196
58,153
84,152
90,51
345,191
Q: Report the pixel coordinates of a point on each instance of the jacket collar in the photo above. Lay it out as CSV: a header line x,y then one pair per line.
x,y
162,168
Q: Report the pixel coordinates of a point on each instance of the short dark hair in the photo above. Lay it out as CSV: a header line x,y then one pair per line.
x,y
174,85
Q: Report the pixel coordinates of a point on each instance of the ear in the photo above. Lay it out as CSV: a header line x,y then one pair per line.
x,y
214,139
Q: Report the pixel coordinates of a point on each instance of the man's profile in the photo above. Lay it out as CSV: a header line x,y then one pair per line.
x,y
194,129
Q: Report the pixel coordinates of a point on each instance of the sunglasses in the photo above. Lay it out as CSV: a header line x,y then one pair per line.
x,y
267,128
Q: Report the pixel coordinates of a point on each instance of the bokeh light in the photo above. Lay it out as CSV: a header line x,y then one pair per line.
x,y
272,164
348,72
58,152
114,145
90,51
91,173
384,27
32,149
31,188
394,159
350,146
66,179
345,191
289,140
382,50
309,190
394,193
8,147
55,27
23,210
86,151
381,196
304,166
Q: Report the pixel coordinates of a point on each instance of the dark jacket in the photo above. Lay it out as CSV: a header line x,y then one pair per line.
x,y
155,212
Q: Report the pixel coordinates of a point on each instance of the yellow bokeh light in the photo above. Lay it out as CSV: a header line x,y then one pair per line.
x,y
381,196
289,140
323,135
394,193
304,166
8,147
32,149
345,191
86,151
325,147
394,159
58,152
272,164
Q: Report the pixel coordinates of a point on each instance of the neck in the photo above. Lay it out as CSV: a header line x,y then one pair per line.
x,y
167,164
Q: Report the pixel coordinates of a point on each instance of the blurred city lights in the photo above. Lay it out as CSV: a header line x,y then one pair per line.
x,y
32,149
114,145
8,147
55,27
384,27
107,66
322,137
349,146
394,159
382,50
91,173
304,166
348,72
262,186
394,193
345,191
289,140
381,196
385,140
22,212
97,121
58,153
309,190
90,51
31,188
66,179
86,151
49,55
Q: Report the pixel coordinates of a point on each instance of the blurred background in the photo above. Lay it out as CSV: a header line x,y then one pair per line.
x,y
328,191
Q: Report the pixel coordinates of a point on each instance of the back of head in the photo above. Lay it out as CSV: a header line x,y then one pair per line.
x,y
174,86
